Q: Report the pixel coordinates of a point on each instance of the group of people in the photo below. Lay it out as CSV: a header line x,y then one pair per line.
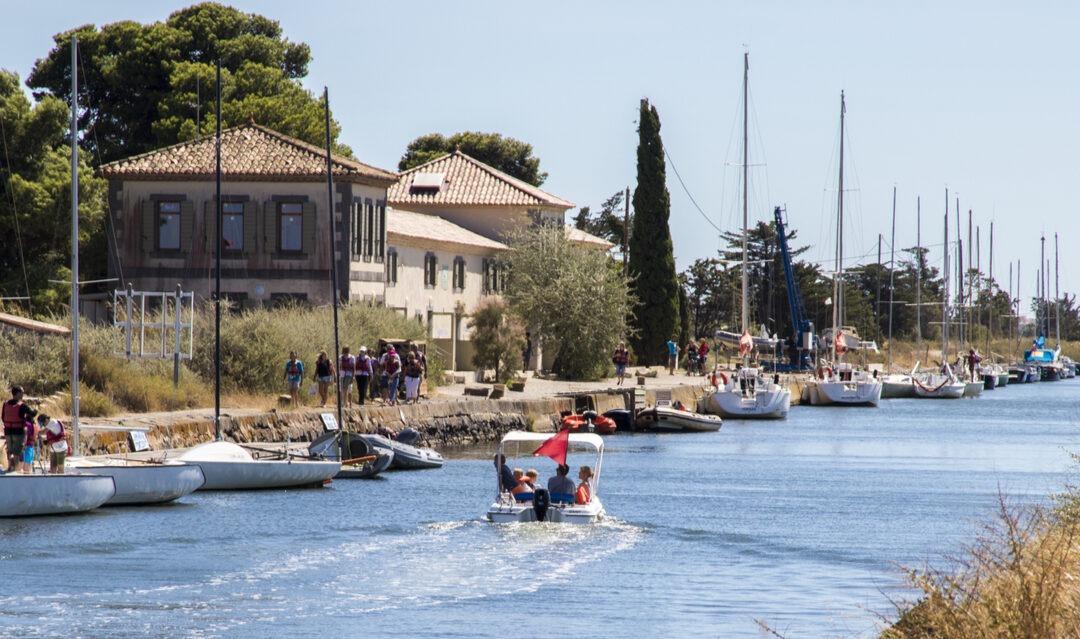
x,y
375,376
522,484
26,431
697,356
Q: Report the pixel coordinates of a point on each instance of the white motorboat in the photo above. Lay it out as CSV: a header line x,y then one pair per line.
x,y
748,394
540,505
142,482
29,495
844,386
228,466
671,419
406,456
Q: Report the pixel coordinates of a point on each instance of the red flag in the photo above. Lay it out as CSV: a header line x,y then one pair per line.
x,y
555,447
746,344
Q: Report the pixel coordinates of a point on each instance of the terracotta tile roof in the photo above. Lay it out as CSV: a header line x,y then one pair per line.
x,y
469,182
249,153
578,236
435,228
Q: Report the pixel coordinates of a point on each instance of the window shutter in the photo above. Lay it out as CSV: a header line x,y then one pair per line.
x,y
250,219
309,230
149,227
269,227
380,246
187,226
209,227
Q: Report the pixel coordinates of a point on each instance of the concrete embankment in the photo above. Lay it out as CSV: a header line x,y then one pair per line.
x,y
441,421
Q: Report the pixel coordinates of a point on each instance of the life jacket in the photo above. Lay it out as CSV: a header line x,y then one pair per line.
x,y
347,364
413,370
581,495
292,368
51,437
12,415
363,365
620,356
392,363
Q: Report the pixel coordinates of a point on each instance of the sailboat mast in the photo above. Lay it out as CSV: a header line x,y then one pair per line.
x,y
75,243
217,265
892,274
918,274
1057,297
745,182
333,238
838,282
1044,325
947,292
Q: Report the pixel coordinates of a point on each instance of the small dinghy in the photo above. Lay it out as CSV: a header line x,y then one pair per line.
x,y
676,419
29,495
362,459
589,422
406,455
228,466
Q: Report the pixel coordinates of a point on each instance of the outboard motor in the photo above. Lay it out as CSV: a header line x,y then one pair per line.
x,y
541,501
408,436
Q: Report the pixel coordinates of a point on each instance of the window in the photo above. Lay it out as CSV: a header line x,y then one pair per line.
x,y
369,230
168,226
380,232
232,227
459,274
495,273
391,267
357,231
431,266
290,227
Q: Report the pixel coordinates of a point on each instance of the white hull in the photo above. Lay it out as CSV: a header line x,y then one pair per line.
x,y
850,393
674,420
973,389
937,387
27,495
142,483
771,403
230,467
897,387
504,512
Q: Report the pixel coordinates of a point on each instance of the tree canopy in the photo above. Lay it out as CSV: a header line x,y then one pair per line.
x,y
508,155
148,86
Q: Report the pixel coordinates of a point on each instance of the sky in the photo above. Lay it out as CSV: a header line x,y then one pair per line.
x,y
974,97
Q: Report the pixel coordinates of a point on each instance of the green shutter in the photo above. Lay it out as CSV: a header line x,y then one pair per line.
x,y
149,229
209,227
308,230
187,225
250,216
269,227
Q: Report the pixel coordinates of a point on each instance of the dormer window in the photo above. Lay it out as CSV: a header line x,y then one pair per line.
x,y
427,182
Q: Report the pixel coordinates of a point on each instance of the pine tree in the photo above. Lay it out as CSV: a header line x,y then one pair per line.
x,y
652,258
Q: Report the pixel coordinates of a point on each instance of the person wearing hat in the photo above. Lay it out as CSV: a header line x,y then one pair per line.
x,y
15,415
362,374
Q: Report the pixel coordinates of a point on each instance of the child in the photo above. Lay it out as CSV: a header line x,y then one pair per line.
x,y
55,443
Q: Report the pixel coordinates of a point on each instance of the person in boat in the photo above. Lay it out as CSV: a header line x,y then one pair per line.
x,y
413,375
362,374
672,355
294,374
560,486
55,443
15,415
973,360
507,482
620,358
324,376
346,373
583,494
532,477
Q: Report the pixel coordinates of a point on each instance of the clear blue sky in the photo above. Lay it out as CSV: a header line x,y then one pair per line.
x,y
979,97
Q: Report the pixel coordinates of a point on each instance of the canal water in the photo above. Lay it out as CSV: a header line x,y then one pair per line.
x,y
801,524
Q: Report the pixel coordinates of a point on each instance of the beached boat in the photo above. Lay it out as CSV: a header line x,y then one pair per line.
x,y
30,495
229,466
666,418
141,482
406,456
540,505
359,458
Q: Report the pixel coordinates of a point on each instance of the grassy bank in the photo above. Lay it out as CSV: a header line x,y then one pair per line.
x,y
254,347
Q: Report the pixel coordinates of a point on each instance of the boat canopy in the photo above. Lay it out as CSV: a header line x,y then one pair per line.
x,y
588,439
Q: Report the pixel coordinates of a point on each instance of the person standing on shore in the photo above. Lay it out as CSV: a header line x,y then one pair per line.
x,y
363,374
413,374
346,372
55,443
390,364
15,415
526,353
672,355
620,358
324,376
294,375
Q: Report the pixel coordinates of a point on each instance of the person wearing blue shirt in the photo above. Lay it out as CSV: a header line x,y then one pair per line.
x,y
294,374
672,355
560,486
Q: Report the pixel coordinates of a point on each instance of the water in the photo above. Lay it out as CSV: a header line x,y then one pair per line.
x,y
801,524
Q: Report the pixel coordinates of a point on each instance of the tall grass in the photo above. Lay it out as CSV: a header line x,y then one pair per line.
x,y
254,347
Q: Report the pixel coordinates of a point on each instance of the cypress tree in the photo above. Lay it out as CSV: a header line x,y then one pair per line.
x,y
652,258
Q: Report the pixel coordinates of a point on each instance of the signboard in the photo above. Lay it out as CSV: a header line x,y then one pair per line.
x,y
639,398
138,441
329,421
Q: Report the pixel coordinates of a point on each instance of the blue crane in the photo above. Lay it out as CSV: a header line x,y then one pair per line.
x,y
799,352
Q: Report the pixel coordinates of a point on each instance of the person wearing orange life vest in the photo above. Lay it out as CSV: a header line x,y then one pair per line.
x,y
583,494
15,414
390,363
346,371
55,443
620,358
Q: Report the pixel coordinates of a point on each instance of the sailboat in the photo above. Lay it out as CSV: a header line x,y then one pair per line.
x,y
748,394
229,466
895,385
843,383
135,481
